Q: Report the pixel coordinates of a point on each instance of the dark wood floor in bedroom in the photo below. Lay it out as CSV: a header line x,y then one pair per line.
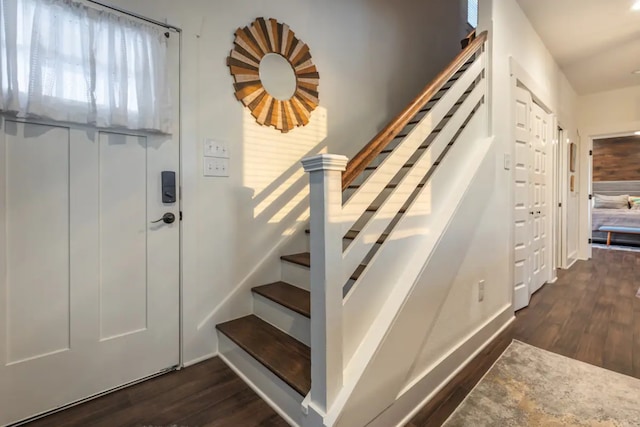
x,y
590,314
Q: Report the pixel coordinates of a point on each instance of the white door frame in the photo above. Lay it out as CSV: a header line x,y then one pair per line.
x,y
562,183
521,78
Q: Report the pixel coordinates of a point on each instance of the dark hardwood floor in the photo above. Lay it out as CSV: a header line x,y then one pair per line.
x,y
205,395
590,314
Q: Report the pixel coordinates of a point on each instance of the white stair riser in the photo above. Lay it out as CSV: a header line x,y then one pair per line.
x,y
278,394
299,276
295,325
296,275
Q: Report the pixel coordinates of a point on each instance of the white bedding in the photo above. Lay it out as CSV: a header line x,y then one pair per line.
x,y
615,217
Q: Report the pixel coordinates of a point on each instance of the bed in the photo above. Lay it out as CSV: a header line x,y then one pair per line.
x,y
616,217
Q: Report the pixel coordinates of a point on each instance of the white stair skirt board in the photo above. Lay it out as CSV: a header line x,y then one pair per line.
x,y
288,321
403,309
275,392
451,364
296,275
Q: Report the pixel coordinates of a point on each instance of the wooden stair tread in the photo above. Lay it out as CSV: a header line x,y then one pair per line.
x,y
288,296
304,259
288,359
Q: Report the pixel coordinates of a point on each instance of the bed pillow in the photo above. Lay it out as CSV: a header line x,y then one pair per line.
x,y
611,202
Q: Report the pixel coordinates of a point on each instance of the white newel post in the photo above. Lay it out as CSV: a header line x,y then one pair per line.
x,y
325,199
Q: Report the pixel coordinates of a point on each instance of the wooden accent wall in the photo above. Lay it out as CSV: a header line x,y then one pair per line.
x,y
616,159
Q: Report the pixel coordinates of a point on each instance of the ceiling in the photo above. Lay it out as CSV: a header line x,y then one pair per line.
x,y
596,42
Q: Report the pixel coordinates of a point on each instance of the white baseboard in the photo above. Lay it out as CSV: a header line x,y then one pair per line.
x,y
439,375
199,359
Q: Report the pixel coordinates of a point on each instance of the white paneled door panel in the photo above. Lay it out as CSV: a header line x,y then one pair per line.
x,y
89,286
531,207
540,145
523,218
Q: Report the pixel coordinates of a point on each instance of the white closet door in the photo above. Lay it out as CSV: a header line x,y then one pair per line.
x,y
540,144
533,127
523,217
89,283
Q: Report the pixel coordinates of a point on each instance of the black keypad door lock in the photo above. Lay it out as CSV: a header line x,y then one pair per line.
x,y
168,187
167,218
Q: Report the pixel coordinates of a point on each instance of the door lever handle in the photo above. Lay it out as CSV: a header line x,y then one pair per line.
x,y
167,218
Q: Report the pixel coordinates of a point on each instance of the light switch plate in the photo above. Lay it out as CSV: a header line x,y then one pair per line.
x,y
214,166
213,148
507,162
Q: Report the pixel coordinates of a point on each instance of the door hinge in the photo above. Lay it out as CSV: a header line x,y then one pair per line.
x,y
169,369
180,215
591,152
590,241
590,196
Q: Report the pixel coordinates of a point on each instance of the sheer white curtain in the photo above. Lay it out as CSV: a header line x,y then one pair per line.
x,y
64,61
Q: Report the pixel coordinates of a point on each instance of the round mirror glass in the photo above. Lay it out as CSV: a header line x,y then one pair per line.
x,y
277,76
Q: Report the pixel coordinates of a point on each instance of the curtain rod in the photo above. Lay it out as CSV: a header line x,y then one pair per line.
x,y
135,15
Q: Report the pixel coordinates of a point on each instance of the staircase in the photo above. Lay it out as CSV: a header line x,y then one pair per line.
x,y
385,183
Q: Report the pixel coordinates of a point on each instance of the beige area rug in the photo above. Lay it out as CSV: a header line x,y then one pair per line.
x,y
528,386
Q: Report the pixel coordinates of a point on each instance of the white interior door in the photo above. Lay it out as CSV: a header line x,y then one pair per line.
x,y
523,218
540,142
532,226
90,285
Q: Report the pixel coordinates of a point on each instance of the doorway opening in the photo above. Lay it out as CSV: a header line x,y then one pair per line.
x,y
615,196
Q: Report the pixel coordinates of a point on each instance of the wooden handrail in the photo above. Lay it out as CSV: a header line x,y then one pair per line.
x,y
467,40
357,165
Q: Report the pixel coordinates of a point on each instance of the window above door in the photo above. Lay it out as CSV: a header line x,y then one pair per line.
x,y
65,61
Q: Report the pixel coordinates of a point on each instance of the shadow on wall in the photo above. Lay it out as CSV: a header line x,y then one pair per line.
x,y
273,177
272,203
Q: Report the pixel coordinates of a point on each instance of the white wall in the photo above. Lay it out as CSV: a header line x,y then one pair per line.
x,y
602,114
514,37
373,57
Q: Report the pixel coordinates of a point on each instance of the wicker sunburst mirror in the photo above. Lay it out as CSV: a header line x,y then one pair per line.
x,y
267,49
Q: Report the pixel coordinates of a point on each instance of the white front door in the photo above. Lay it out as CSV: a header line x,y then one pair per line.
x,y
89,285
